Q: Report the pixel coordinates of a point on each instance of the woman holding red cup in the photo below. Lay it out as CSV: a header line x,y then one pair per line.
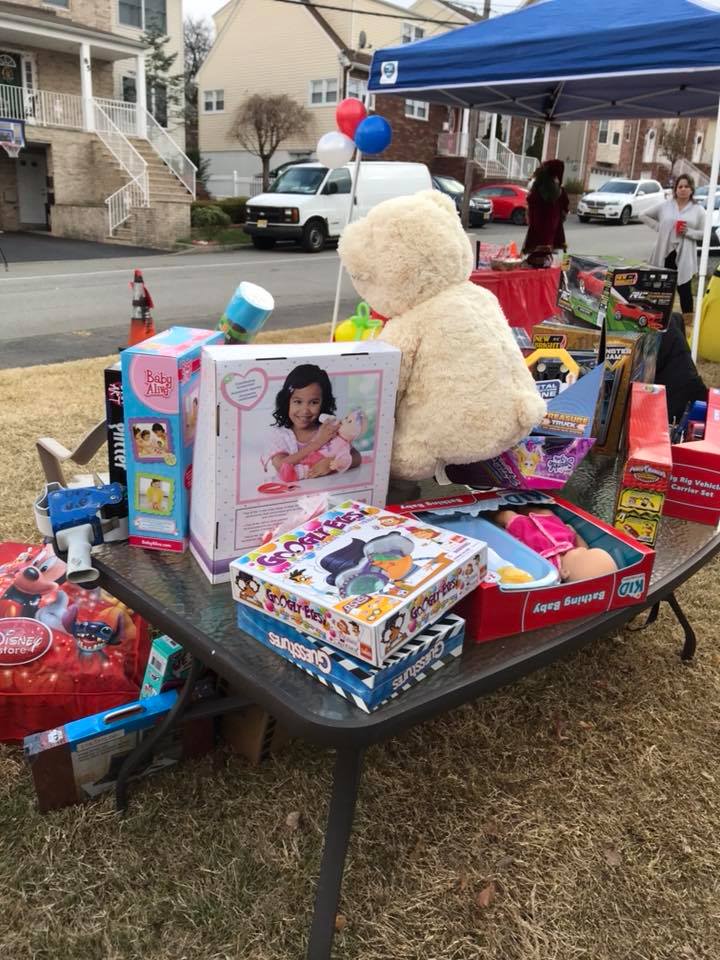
x,y
679,223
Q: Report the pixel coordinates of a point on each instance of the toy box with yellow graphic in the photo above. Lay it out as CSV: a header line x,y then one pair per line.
x,y
359,578
648,466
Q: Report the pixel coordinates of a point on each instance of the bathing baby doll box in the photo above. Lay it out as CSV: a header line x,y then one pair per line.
x,y
359,578
281,421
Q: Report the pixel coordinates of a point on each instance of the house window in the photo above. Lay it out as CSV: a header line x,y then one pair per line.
x,y
417,109
213,101
323,91
358,88
129,90
58,3
603,132
616,138
158,103
411,33
143,14
627,131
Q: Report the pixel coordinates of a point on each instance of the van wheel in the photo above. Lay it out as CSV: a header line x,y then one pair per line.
x,y
313,238
625,216
263,243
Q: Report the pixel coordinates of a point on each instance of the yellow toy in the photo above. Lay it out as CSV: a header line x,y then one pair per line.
x,y
709,342
361,326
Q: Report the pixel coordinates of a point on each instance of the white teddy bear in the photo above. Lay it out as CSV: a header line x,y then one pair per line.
x,y
465,393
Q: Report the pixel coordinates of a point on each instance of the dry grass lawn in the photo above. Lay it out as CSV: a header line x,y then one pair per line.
x,y
573,816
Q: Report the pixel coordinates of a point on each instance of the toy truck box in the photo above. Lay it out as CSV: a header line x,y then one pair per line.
x,y
502,605
82,759
628,295
359,578
646,474
242,487
694,491
365,686
161,384
582,344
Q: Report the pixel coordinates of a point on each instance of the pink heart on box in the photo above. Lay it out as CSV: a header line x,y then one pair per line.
x,y
245,390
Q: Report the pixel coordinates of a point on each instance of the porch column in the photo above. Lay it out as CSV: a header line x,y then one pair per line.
x,y
140,96
492,139
86,88
546,140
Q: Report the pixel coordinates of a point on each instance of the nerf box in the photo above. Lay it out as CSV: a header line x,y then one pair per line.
x,y
359,578
366,686
627,358
694,490
269,434
167,665
646,474
82,759
161,385
506,602
628,295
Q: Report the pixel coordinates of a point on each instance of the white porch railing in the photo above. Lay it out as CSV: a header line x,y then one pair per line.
x,y
43,108
683,166
123,115
497,160
136,193
168,151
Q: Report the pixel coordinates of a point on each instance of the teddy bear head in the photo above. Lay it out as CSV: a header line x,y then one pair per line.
x,y
405,251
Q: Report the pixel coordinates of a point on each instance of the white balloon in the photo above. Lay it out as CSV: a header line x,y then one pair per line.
x,y
334,149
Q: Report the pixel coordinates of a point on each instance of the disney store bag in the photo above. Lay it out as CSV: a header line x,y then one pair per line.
x,y
65,652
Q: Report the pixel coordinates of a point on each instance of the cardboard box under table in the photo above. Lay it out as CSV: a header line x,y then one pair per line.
x,y
649,462
161,383
241,487
500,609
359,578
366,686
694,492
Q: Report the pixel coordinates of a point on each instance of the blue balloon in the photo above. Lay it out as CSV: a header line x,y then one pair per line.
x,y
373,134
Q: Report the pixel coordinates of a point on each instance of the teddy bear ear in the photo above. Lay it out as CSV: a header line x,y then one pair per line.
x,y
440,200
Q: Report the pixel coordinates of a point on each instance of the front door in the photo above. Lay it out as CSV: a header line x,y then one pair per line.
x,y
32,188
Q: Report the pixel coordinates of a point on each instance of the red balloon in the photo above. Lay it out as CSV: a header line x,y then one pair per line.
x,y
349,113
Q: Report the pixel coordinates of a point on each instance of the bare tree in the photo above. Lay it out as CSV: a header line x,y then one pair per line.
x,y
672,143
262,123
198,38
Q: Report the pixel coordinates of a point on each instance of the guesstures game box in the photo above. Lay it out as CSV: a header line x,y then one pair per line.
x,y
282,421
366,686
359,578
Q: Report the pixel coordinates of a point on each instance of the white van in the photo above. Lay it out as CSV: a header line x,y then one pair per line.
x,y
309,203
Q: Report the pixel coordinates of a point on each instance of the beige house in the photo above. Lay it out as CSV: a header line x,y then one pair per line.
x,y
317,56
97,163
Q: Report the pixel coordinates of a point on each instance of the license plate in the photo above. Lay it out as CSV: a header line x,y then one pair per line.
x,y
262,223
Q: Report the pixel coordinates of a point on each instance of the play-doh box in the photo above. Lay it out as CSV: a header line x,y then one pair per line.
x,y
503,604
359,578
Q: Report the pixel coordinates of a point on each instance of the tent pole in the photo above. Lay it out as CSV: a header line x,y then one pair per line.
x,y
702,272
546,139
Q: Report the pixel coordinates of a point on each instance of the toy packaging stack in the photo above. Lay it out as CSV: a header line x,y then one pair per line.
x,y
365,686
263,413
648,466
161,385
694,492
359,578
628,295
64,651
523,589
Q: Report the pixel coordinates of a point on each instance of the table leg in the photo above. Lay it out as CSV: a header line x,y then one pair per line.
x,y
346,781
145,748
688,650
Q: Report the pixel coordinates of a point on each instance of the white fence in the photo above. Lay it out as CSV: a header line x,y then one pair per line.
x,y
233,185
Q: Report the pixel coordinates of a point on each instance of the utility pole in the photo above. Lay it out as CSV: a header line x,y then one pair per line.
x,y
486,10
473,124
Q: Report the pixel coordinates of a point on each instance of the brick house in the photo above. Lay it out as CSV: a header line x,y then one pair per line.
x,y
320,56
97,163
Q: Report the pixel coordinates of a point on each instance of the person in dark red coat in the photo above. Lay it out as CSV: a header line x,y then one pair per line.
x,y
548,206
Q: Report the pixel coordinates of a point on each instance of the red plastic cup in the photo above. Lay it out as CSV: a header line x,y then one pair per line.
x,y
680,226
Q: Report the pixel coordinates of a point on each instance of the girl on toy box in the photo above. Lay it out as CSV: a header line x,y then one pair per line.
x,y
679,223
298,432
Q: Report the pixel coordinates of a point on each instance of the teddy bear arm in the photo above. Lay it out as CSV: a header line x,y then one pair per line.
x,y
400,333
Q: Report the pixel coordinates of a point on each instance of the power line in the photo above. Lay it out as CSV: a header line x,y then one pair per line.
x,y
368,13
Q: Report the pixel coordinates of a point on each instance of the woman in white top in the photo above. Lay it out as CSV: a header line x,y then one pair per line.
x,y
679,224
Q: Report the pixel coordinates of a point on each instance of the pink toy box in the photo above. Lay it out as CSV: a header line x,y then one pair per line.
x,y
694,492
359,578
262,404
498,609
161,383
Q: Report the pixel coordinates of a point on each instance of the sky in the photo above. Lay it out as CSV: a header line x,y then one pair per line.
x,y
205,8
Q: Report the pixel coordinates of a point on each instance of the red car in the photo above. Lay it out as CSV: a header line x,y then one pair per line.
x,y
591,282
640,315
509,201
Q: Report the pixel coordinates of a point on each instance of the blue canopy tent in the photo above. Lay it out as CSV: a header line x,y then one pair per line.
x,y
574,60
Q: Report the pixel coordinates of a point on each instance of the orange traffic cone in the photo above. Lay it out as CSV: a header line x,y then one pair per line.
x,y
142,325
513,251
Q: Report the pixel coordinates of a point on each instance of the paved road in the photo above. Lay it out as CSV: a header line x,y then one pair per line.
x,y
65,310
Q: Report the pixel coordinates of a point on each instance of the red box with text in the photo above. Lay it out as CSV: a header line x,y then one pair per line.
x,y
694,492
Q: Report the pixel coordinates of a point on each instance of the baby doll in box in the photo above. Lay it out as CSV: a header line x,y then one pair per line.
x,y
465,393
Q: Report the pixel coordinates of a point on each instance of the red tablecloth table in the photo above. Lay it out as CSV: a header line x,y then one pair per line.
x,y
527,297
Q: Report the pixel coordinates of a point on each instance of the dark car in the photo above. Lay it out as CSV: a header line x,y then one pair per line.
x,y
481,209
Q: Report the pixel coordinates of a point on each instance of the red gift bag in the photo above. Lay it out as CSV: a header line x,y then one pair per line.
x,y
65,652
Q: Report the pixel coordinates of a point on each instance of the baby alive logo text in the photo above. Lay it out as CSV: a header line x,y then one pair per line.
x,y
157,384
290,550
